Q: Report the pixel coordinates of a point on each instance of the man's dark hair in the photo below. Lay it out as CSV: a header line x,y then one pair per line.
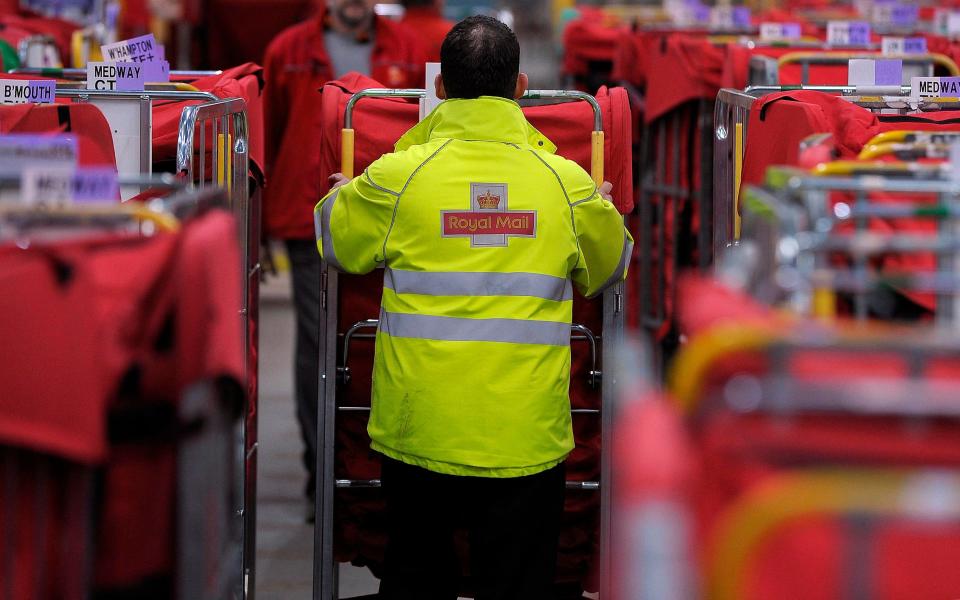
x,y
480,57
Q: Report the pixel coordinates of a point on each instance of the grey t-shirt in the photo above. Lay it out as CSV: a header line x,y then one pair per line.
x,y
347,54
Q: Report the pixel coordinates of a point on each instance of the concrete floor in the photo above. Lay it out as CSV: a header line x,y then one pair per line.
x,y
284,539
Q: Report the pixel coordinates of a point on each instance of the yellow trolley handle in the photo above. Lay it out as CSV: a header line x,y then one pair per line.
x,y
348,134
940,60
596,157
764,510
161,220
347,141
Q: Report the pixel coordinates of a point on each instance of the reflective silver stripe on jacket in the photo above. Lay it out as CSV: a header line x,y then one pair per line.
x,y
426,283
621,269
453,329
323,230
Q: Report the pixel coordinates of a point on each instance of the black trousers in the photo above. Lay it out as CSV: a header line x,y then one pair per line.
x,y
305,276
513,527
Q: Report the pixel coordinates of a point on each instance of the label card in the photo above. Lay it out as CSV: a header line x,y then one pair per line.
x,y
22,91
848,33
19,151
431,101
730,17
896,14
935,87
66,185
139,49
688,12
861,72
899,45
888,72
946,22
779,31
867,71
124,76
156,71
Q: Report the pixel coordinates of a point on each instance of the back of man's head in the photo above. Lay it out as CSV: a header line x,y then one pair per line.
x,y
480,57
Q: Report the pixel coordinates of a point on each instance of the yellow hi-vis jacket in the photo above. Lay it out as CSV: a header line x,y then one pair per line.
x,y
480,229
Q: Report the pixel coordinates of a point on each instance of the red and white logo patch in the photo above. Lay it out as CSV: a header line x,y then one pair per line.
x,y
488,223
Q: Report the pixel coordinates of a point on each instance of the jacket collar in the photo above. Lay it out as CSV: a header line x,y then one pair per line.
x,y
317,46
487,118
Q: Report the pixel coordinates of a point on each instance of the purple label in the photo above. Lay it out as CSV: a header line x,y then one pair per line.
x,y
859,33
113,14
129,76
156,71
741,16
700,13
888,72
895,13
138,49
904,14
790,30
94,185
915,45
42,91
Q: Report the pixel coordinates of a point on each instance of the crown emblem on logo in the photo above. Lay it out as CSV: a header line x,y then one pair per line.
x,y
488,200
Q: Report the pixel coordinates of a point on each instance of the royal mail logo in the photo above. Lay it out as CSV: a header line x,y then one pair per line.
x,y
488,223
514,223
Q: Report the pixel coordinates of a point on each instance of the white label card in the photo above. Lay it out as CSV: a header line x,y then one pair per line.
x,y
848,33
779,31
946,22
67,185
899,45
24,91
114,76
139,49
19,151
431,101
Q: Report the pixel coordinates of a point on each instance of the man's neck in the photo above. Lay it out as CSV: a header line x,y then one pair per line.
x,y
333,20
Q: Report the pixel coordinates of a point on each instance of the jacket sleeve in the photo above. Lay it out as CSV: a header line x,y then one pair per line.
x,y
605,245
276,106
352,223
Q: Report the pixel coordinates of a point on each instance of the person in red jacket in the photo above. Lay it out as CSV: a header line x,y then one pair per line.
x,y
425,18
346,36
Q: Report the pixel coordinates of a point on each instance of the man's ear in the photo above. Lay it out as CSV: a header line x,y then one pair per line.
x,y
441,91
522,83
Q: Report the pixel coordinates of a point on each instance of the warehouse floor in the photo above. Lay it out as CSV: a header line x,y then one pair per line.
x,y
284,539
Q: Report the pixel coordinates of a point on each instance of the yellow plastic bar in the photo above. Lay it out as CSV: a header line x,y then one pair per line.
x,y
83,49
224,167
824,303
163,221
852,167
753,519
596,157
690,368
183,87
737,176
888,137
874,151
76,49
346,152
